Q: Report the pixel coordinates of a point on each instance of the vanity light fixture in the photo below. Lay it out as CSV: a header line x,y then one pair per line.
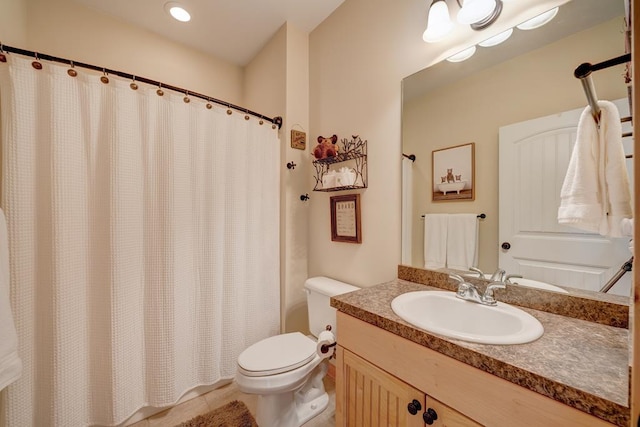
x,y
473,11
177,11
497,39
463,55
538,21
438,22
478,14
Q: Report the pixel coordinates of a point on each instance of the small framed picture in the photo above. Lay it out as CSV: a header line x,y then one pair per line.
x,y
453,173
345,219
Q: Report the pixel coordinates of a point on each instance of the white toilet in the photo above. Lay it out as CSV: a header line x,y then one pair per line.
x,y
286,370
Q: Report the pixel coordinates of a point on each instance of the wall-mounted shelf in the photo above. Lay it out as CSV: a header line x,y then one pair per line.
x,y
353,153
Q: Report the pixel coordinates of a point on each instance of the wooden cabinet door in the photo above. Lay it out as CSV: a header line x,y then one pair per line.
x,y
367,396
447,417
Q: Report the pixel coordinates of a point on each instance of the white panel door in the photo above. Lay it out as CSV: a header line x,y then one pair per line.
x,y
534,156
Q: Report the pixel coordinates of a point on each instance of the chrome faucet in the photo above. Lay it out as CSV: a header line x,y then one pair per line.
x,y
498,275
508,281
477,270
469,292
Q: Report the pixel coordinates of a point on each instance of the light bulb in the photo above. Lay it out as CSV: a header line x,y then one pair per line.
x,y
438,23
463,55
177,12
473,11
538,21
497,39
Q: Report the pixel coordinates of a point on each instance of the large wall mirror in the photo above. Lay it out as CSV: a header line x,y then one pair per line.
x,y
487,99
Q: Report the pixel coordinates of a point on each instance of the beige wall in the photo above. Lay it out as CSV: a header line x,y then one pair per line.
x,y
277,83
13,22
69,30
533,85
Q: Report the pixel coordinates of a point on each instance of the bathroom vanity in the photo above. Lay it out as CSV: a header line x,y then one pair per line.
x,y
392,373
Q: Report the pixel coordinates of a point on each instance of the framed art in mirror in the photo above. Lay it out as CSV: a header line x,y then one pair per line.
x,y
453,170
345,219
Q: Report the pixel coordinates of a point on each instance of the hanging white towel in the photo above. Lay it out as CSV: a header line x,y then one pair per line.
x,y
10,363
595,194
435,240
462,241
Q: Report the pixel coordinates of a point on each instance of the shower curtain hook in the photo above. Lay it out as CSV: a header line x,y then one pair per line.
x,y
186,97
261,122
246,114
71,71
160,92
104,79
36,64
133,84
209,106
3,58
229,112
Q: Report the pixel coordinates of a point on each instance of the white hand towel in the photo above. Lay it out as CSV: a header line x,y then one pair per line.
x,y
435,240
10,363
462,241
595,194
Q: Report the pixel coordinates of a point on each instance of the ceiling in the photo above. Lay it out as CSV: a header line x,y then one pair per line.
x,y
232,30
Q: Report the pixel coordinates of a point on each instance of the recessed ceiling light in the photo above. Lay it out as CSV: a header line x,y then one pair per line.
x,y
497,39
461,56
538,21
177,11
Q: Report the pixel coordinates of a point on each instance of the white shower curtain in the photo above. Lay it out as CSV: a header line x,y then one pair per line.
x,y
144,242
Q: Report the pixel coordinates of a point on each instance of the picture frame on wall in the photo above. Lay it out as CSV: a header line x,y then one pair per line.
x,y
345,218
453,170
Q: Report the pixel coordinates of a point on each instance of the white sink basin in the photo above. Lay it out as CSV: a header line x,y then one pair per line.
x,y
525,282
445,314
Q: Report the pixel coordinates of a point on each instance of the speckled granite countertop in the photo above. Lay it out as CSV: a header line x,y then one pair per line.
x,y
579,363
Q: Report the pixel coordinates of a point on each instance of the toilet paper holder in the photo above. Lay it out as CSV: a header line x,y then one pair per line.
x,y
325,347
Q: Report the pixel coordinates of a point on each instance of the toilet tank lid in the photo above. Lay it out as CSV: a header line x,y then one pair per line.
x,y
327,286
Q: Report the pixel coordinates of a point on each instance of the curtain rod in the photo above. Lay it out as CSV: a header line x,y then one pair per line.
x,y
481,216
277,121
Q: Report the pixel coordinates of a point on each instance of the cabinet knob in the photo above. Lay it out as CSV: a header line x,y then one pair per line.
x,y
506,246
414,407
430,416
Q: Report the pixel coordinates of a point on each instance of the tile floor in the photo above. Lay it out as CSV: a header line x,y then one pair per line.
x,y
216,398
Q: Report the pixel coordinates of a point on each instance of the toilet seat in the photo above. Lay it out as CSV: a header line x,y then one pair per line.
x,y
277,354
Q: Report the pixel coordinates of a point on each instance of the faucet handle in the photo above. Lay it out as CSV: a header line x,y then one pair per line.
x,y
498,275
457,278
512,276
477,270
488,297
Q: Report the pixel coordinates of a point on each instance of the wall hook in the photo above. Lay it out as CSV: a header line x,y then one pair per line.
x,y
291,165
304,197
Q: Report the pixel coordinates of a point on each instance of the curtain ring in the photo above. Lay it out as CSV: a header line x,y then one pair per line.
x,y
186,97
160,92
229,112
133,84
104,79
71,71
36,64
209,106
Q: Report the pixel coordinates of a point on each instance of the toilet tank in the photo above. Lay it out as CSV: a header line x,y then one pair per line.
x,y
319,292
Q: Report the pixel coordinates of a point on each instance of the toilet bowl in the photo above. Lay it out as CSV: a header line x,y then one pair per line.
x,y
287,370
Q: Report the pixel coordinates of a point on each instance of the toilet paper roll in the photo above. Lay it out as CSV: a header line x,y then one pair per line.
x,y
326,344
